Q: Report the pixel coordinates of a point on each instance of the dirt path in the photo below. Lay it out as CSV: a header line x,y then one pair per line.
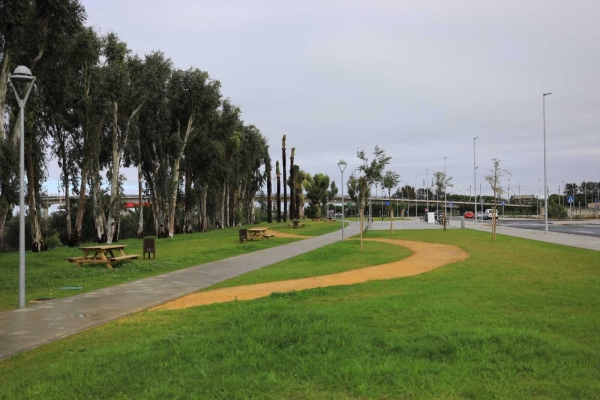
x,y
425,257
284,235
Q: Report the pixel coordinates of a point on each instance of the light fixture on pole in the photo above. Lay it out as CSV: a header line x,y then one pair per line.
x,y
342,164
545,176
475,178
22,74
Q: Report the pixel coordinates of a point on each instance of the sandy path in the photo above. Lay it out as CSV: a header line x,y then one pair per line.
x,y
285,235
425,257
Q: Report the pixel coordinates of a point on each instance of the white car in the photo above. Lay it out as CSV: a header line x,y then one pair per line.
x,y
479,215
490,213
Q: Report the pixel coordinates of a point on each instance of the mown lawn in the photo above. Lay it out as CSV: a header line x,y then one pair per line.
x,y
48,271
519,319
311,228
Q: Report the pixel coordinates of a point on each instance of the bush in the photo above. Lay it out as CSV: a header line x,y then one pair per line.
x,y
53,241
556,210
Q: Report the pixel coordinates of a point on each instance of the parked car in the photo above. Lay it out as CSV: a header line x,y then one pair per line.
x,y
479,215
469,214
490,213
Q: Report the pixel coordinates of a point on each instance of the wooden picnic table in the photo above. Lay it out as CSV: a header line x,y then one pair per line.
x,y
100,253
258,233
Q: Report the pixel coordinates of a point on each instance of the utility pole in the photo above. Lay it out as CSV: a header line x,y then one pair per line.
x,y
475,178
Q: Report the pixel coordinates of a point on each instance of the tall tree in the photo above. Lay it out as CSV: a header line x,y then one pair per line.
x,y
269,192
292,185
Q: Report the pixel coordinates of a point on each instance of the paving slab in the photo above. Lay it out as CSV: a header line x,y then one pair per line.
x,y
35,325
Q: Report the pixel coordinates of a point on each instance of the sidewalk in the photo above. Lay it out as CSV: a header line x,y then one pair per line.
x,y
567,239
33,326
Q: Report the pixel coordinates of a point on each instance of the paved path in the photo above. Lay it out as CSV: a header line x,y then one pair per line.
x,y
581,241
33,326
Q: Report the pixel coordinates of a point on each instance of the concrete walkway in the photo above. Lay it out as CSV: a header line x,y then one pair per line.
x,y
33,326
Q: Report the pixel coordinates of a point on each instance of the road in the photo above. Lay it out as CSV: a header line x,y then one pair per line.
x,y
579,228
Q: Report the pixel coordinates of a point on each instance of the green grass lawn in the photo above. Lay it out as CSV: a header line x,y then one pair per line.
x,y
48,271
338,257
518,319
311,228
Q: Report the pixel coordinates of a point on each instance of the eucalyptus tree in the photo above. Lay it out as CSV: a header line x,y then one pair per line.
x,y
255,153
32,33
269,190
124,87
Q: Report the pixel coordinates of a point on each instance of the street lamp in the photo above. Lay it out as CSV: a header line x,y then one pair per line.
x,y
475,179
22,74
545,180
342,164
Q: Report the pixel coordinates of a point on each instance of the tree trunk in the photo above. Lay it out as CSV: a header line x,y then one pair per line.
x,y
140,229
175,177
187,223
68,206
37,241
227,208
269,194
292,187
204,219
76,237
278,193
285,207
114,181
222,208
4,73
98,209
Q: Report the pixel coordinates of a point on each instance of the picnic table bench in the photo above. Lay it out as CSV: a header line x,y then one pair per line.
x,y
100,253
258,233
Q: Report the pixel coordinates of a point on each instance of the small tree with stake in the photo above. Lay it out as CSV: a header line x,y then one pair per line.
x,y
390,181
494,180
441,183
371,172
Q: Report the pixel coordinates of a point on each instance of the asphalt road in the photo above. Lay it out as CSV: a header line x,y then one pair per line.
x,y
582,228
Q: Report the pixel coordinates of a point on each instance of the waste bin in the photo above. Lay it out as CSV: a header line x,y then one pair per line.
x,y
149,247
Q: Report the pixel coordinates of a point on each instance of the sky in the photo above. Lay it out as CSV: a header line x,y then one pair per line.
x,y
419,78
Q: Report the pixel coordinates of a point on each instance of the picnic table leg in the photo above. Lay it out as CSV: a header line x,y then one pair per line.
x,y
103,257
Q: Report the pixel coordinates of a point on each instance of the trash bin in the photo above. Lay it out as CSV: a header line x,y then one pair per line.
x,y
243,235
149,247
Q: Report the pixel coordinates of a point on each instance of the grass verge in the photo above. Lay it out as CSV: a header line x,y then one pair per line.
x,y
48,271
518,319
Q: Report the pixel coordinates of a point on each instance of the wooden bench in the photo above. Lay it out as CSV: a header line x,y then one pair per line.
x,y
127,257
269,236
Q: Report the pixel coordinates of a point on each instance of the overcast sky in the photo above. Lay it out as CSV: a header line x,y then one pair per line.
x,y
419,78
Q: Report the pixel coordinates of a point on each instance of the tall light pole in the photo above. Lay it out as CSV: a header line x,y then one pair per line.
x,y
509,190
22,74
342,164
475,179
563,197
545,176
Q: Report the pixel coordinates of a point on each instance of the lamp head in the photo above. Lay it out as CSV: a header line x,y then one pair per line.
x,y
547,94
342,165
21,74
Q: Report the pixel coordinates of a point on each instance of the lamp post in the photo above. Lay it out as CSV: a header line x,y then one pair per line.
x,y
475,179
342,165
545,180
538,200
22,74
416,195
